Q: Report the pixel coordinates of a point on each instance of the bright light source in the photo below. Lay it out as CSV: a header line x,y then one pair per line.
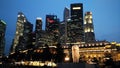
x,y
76,8
39,18
67,58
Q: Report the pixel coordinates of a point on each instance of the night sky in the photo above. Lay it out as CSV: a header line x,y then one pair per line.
x,y
106,15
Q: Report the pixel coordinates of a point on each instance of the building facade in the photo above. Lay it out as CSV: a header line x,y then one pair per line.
x,y
2,37
89,28
23,32
66,14
75,31
38,31
52,27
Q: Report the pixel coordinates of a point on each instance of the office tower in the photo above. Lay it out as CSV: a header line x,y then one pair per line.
x,y
38,31
63,28
38,26
2,37
22,35
52,27
75,29
66,14
89,28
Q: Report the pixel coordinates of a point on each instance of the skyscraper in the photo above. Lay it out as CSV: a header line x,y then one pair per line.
x,y
52,27
23,30
66,14
75,29
38,31
2,37
63,25
89,28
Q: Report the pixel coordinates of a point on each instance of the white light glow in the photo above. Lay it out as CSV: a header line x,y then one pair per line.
x,y
85,22
18,15
39,18
76,8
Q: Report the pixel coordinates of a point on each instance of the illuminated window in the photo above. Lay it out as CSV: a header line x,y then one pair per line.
x,y
88,30
90,16
82,45
85,22
76,8
16,32
97,44
89,44
89,21
100,43
93,44
92,30
24,20
22,15
86,17
18,15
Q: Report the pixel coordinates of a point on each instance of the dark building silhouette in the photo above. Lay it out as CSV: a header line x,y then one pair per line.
x,y
38,31
89,28
63,24
52,27
75,29
23,33
2,37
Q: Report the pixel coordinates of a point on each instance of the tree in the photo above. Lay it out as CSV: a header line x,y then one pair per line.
x,y
60,53
46,53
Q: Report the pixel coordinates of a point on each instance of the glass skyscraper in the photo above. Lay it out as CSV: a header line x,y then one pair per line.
x,y
75,29
52,27
2,37
23,30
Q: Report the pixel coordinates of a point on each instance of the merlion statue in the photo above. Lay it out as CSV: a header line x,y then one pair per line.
x,y
75,53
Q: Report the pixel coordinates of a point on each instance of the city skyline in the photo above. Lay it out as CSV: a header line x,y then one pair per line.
x,y
101,13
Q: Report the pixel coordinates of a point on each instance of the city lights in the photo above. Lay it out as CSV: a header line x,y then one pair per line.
x,y
71,41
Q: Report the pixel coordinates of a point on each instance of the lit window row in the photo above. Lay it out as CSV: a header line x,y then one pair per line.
x,y
88,16
22,15
88,30
97,44
76,8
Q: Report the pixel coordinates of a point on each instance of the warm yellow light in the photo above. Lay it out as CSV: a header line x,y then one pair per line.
x,y
85,22
90,16
88,30
118,44
89,21
67,58
107,46
86,17
113,42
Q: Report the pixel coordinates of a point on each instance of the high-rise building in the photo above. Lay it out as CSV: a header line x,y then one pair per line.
x,y
38,26
2,37
66,14
38,31
75,29
23,32
89,28
52,26
63,28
